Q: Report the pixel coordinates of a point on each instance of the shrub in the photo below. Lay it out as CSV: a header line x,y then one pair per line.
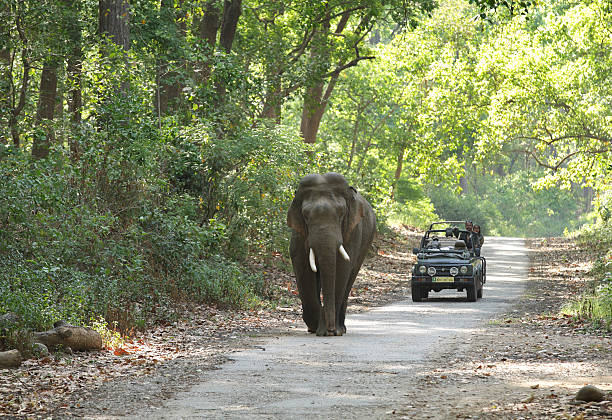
x,y
65,253
596,303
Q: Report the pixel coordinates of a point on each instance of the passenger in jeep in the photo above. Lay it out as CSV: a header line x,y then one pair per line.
x,y
464,236
477,236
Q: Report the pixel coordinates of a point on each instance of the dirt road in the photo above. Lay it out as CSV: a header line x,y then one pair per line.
x,y
365,373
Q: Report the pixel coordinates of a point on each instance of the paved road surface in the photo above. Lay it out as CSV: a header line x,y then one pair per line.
x,y
363,374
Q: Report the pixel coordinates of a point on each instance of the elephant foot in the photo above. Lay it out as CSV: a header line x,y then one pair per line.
x,y
329,333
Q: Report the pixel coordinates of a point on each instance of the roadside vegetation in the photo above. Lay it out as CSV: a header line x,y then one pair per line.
x,y
595,304
149,169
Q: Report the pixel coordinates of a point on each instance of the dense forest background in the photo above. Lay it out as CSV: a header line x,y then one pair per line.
x,y
149,151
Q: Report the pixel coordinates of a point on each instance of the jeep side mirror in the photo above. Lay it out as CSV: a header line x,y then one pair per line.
x,y
415,251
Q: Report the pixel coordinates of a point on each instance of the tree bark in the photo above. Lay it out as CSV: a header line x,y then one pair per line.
x,y
74,70
315,99
5,91
45,110
64,335
25,80
114,21
273,101
232,9
208,28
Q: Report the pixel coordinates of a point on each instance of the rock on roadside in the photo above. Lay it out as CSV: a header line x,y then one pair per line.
x,y
589,393
10,359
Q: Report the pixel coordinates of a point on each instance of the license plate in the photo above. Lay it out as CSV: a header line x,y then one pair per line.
x,y
443,279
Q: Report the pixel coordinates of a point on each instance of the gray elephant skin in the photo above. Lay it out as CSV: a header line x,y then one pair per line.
x,y
333,228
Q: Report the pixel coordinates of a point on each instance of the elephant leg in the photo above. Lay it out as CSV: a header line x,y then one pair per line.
x,y
308,284
343,305
347,292
344,281
310,296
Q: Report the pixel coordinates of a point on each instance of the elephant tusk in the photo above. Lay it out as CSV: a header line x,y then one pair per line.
x,y
344,253
311,257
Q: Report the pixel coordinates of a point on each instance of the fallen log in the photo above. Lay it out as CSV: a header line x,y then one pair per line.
x,y
9,359
65,335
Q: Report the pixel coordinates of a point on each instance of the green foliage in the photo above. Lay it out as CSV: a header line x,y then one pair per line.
x,y
245,182
510,206
595,304
419,213
141,206
67,258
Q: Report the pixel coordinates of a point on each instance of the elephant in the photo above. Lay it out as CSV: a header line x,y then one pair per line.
x,y
332,229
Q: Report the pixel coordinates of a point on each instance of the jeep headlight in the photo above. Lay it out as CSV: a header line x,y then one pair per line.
x,y
463,269
454,271
422,269
431,271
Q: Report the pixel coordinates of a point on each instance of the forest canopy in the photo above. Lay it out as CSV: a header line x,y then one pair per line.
x,y
149,149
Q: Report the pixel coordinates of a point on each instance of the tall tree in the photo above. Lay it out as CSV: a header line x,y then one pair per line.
x,y
114,22
45,111
16,16
5,91
74,69
172,41
114,26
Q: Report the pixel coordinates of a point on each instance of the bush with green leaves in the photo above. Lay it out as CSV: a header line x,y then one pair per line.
x,y
72,256
595,304
244,181
511,206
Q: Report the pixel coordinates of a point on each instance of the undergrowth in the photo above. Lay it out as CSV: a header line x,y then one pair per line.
x,y
595,304
109,239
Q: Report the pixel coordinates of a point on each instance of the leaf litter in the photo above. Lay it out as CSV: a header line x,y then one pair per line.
x,y
526,364
151,366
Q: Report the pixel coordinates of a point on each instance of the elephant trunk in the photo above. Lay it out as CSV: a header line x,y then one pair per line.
x,y
324,252
327,267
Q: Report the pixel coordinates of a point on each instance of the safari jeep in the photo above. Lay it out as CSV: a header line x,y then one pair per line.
x,y
444,261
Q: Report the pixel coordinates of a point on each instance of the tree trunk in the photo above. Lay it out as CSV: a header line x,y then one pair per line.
x,y
45,110
232,9
315,100
463,183
273,101
114,24
208,29
64,335
25,80
353,143
114,21
74,70
398,171
5,91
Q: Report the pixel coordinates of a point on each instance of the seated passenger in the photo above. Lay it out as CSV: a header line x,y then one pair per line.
x,y
478,238
434,244
465,235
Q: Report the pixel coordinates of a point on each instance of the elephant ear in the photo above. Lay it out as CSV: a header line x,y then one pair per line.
x,y
294,217
356,211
